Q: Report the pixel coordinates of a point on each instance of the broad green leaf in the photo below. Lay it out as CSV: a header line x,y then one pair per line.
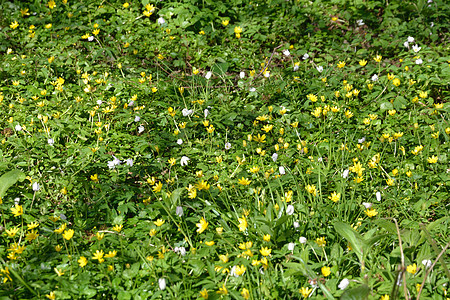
x,y
8,179
358,293
353,237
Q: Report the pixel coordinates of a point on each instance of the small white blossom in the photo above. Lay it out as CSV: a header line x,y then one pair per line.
x,y
161,20
266,74
99,102
410,39
374,77
16,201
416,48
18,127
344,284
427,263
242,75
187,112
227,146
162,284
291,246
179,141
296,224
406,44
137,119
184,160
252,89
141,129
274,157
378,196
50,142
129,162
432,24
206,112
180,250
345,173
361,140
281,170
305,56
91,38
367,205
360,22
319,69
290,210
36,186
302,240
286,52
179,211
419,61
208,75
113,163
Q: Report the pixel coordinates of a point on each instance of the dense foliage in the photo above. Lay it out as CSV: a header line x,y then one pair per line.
x,y
264,149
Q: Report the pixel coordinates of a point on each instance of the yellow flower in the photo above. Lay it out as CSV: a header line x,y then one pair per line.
x,y
157,188
32,235
245,293
363,62
51,4
321,242
396,82
423,95
58,248
244,181
266,237
433,159
305,291
411,269
68,234
12,231
59,272
371,212
96,32
210,243
111,254
17,210
239,270
225,22
159,222
51,296
100,235
14,25
335,197
48,26
326,271
265,251
126,4
117,227
311,189
82,261
202,225
202,185
341,64
222,290
242,223
204,294
94,177
98,255
377,58
237,29
385,297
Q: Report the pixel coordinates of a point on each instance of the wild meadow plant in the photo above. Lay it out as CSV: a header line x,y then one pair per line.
x,y
238,149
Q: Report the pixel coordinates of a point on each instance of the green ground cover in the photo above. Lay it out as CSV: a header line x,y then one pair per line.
x,y
224,149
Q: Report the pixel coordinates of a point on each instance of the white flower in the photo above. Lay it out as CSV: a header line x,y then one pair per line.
x,y
184,160
113,163
242,75
367,205
419,61
131,103
252,89
281,170
91,38
361,140
378,196
344,284
427,263
302,240
290,210
179,141
374,77
266,74
16,201
179,211
345,173
50,142
227,146
187,112
360,22
305,56
141,129
274,157
319,69
208,75
162,284
296,224
432,24
137,119
410,39
18,127
206,112
99,102
286,52
180,250
296,67
161,21
36,186
406,44
129,162
416,48
291,246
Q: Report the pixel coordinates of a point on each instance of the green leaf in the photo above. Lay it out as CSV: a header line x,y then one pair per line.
x,y
386,106
8,179
353,237
358,293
